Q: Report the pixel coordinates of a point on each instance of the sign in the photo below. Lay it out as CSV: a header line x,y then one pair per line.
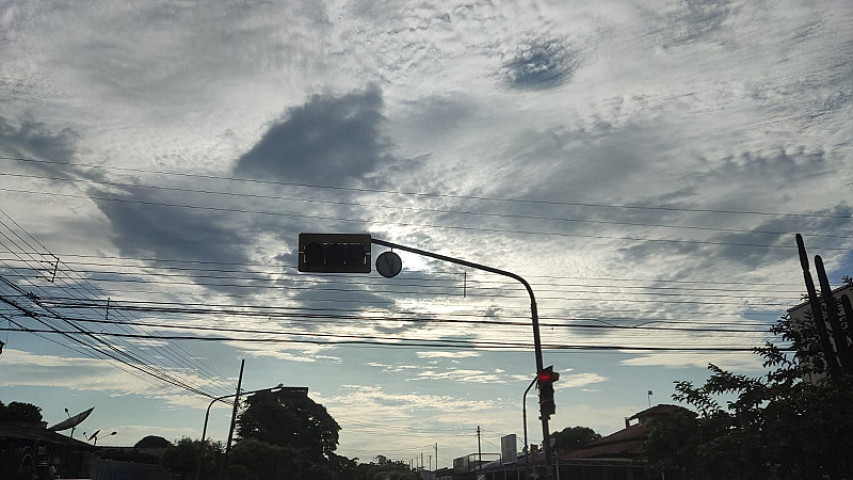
x,y
509,449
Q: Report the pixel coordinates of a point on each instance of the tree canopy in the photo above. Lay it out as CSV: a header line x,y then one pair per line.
x,y
777,426
289,421
574,438
153,441
298,433
20,412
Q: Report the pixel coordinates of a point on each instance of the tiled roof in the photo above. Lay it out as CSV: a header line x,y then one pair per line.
x,y
626,443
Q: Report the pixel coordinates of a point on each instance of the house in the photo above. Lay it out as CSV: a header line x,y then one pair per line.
x,y
30,448
626,445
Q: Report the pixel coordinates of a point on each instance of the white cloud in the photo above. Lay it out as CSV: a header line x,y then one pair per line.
x,y
579,380
744,361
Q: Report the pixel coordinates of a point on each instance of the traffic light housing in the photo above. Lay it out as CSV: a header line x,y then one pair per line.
x,y
545,381
334,252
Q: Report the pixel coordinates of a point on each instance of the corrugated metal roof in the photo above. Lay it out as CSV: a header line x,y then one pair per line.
x,y
35,431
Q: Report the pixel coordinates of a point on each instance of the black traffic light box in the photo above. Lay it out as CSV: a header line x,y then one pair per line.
x,y
334,252
545,379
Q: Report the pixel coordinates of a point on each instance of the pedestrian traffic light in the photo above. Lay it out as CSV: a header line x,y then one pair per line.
x,y
334,252
545,381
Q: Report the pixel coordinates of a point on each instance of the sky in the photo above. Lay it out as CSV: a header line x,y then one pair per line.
x,y
644,165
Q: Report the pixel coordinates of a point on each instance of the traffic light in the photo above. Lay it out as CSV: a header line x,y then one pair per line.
x,y
545,381
334,252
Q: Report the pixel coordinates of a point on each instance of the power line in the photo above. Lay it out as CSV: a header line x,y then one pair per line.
x,y
431,194
124,354
430,272
472,284
415,209
391,342
412,224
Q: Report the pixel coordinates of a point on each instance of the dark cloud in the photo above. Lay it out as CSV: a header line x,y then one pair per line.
x,y
35,141
329,140
541,63
142,229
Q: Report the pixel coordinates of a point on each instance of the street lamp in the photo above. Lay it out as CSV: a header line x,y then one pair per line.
x,y
524,418
276,389
95,436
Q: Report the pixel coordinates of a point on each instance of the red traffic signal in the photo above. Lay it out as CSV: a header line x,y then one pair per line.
x,y
548,375
546,378
334,252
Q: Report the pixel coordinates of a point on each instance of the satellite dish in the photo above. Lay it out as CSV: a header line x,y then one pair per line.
x,y
71,422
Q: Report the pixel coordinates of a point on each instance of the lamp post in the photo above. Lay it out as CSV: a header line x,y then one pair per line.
x,y
95,436
534,315
274,389
524,419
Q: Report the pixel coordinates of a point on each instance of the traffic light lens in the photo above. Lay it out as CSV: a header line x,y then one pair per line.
x,y
313,254
335,254
355,254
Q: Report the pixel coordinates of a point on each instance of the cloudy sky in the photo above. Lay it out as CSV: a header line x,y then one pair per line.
x,y
644,165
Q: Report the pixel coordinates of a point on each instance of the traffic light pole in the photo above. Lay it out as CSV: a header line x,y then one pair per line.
x,y
537,343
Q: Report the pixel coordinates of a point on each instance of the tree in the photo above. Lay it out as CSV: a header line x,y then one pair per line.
x,y
778,426
253,459
385,469
574,438
20,412
182,458
298,432
289,421
153,441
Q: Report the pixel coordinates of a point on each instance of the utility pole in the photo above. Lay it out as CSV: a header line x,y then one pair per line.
x,y
233,421
436,443
479,450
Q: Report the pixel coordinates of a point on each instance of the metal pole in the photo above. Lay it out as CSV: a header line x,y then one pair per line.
x,y
233,421
524,419
537,343
479,451
204,435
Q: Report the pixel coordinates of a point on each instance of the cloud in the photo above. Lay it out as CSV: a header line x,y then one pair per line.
x,y
34,140
87,374
327,141
729,361
462,376
142,227
540,63
579,380
696,20
447,354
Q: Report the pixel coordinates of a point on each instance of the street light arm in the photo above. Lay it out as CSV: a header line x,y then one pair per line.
x,y
537,343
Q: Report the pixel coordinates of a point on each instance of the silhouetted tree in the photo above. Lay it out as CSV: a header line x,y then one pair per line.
x,y
20,412
296,422
778,426
182,458
574,438
153,441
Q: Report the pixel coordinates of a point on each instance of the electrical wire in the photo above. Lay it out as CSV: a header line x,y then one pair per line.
x,y
431,194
